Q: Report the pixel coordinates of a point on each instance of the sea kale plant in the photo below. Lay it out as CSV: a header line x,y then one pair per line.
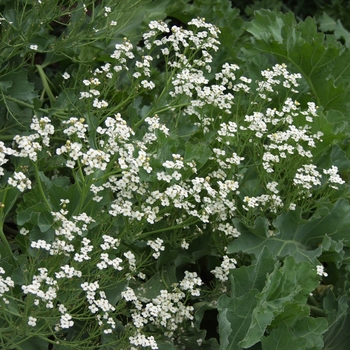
x,y
165,201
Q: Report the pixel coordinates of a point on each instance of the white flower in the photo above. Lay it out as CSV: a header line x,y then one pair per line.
x,y
184,244
292,206
65,75
20,181
129,294
32,321
190,281
320,271
334,177
156,245
222,272
66,321
33,47
23,231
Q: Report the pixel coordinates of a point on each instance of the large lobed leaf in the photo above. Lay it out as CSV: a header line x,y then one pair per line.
x,y
323,61
269,297
305,240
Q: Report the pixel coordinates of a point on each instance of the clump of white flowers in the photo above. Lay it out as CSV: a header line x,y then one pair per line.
x,y
221,272
167,310
5,285
145,187
320,271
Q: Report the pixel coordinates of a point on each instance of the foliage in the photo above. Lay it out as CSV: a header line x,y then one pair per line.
x,y
169,181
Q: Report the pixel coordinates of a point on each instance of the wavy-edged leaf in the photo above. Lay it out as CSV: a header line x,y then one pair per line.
x,y
337,336
294,236
322,60
16,85
306,334
328,24
251,277
286,285
235,318
281,338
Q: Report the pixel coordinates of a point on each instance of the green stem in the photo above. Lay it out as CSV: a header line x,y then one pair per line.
x,y
6,249
45,83
6,137
41,190
146,234
317,311
27,105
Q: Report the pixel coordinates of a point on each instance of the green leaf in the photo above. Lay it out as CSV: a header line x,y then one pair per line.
x,y
332,251
281,338
159,281
37,215
4,85
295,236
199,152
328,24
33,343
337,336
311,329
322,60
251,277
8,198
280,293
234,318
291,313
20,88
163,345
288,284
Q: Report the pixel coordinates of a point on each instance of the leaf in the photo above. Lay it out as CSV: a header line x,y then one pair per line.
x,y
251,277
33,343
295,236
307,334
328,24
8,198
133,18
332,251
291,313
234,318
288,284
322,60
20,88
311,329
4,85
18,276
199,152
37,215
281,338
163,345
159,281
337,336
279,292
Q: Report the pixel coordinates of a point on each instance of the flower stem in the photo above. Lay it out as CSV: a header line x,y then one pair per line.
x,y
5,249
41,190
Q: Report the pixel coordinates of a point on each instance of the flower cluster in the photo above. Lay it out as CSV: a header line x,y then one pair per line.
x,y
221,272
189,282
211,149
20,181
5,285
166,311
99,304
43,287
